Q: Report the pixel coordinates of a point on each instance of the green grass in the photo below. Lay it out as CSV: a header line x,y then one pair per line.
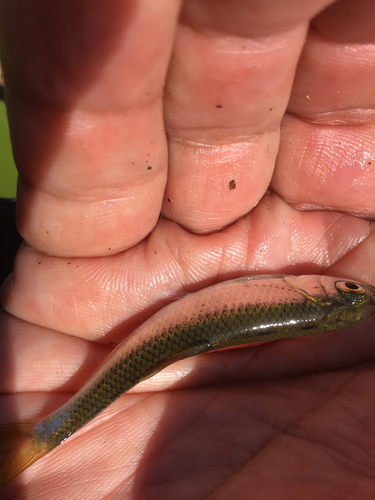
x,y
8,172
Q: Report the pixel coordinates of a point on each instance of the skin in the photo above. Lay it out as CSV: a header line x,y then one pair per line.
x,y
286,419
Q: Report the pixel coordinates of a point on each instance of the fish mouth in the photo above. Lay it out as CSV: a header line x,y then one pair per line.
x,y
371,293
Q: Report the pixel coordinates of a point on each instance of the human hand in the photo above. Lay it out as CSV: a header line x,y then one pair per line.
x,y
85,100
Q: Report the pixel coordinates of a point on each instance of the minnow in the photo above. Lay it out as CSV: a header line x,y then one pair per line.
x,y
231,313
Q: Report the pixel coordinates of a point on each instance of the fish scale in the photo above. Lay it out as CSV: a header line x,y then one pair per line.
x,y
232,313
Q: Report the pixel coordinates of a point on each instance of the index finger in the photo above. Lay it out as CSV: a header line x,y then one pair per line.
x,y
84,88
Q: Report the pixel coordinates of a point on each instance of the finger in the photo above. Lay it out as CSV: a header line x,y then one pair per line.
x,y
107,298
39,360
227,89
327,144
84,95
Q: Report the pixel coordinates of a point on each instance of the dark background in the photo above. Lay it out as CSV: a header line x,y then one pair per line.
x,y
10,240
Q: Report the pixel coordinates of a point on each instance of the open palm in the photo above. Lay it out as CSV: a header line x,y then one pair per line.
x,y
121,111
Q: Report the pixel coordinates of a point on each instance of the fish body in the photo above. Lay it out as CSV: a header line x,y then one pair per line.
x,y
231,313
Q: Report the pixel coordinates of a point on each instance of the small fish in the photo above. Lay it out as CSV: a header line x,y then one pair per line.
x,y
231,313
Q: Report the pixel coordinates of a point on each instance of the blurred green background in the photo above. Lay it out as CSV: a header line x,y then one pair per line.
x,y
10,240
8,173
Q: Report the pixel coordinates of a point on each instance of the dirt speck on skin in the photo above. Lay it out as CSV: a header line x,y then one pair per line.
x,y
232,184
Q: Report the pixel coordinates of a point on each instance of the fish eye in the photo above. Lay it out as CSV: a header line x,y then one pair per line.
x,y
349,286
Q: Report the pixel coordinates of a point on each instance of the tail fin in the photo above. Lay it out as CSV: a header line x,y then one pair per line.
x,y
19,448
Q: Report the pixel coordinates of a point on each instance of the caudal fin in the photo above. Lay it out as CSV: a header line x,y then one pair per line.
x,y
19,448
